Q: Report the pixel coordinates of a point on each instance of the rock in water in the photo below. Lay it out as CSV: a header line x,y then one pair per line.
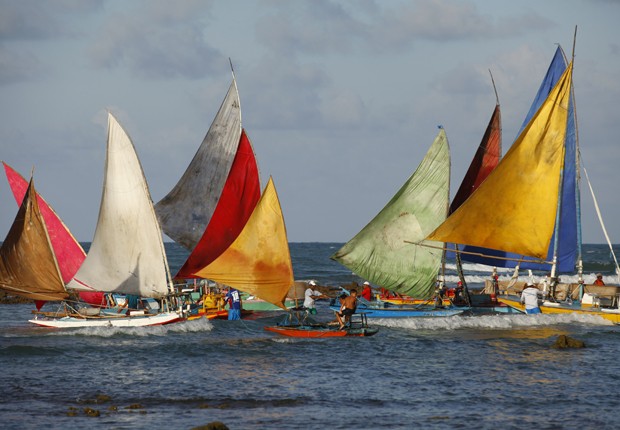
x,y
564,341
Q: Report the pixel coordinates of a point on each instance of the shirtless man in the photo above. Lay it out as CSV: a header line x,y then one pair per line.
x,y
349,304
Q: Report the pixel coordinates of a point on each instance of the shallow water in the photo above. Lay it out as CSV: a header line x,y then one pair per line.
x,y
462,372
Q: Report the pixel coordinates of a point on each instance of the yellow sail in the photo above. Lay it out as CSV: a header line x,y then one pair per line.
x,y
514,209
258,261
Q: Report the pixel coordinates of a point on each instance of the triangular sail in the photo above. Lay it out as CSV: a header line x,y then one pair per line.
x,y
567,243
126,254
514,209
69,253
238,199
187,209
258,261
379,252
28,267
485,159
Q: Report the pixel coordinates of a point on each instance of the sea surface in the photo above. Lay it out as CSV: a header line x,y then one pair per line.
x,y
481,372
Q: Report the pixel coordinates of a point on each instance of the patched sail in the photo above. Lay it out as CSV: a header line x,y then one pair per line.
x,y
514,209
187,209
258,261
382,251
28,266
127,253
237,202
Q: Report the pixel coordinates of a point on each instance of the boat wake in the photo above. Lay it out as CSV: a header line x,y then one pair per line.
x,y
489,321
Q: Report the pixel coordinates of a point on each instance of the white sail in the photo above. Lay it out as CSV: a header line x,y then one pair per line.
x,y
127,253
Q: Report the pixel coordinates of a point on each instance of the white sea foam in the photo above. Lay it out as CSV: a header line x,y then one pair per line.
x,y
489,321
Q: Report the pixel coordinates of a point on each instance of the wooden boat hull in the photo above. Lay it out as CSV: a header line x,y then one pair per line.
x,y
320,331
612,315
138,321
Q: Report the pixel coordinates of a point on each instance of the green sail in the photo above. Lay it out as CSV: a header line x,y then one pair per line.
x,y
383,252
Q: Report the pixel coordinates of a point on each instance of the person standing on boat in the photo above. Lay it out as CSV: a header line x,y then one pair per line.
x,y
349,305
599,280
234,304
310,295
367,291
529,296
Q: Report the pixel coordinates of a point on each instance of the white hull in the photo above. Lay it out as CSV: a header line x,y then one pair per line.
x,y
137,321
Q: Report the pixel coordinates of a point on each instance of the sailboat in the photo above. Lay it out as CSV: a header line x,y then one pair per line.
x,y
526,191
27,242
127,253
386,251
211,203
67,250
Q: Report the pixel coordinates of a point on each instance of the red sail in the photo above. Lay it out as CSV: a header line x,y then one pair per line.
x,y
486,158
237,201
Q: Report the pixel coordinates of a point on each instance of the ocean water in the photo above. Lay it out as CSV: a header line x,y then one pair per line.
x,y
483,372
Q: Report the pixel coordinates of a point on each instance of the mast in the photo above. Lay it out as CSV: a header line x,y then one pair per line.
x,y
577,180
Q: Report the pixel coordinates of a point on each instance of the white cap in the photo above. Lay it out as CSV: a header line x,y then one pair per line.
x,y
366,283
312,283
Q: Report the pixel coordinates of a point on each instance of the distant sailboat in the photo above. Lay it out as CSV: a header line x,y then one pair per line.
x,y
127,252
386,252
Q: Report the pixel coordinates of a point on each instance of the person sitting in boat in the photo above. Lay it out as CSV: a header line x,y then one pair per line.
x,y
349,305
233,298
367,291
131,304
310,295
529,296
599,280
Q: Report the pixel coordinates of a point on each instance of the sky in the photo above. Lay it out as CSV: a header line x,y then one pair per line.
x,y
341,99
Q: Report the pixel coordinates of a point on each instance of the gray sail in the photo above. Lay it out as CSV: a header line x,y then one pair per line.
x,y
187,210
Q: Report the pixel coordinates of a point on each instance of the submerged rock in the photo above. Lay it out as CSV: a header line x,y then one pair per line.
x,y
564,341
215,425
92,412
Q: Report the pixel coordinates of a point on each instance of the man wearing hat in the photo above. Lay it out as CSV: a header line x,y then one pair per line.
x,y
367,291
599,280
310,295
529,296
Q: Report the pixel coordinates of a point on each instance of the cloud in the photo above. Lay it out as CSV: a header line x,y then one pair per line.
x,y
16,66
155,40
326,26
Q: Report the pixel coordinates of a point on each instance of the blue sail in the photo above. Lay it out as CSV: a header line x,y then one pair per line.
x,y
567,239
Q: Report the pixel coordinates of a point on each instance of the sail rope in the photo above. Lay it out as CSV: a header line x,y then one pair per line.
x,y
600,218
479,254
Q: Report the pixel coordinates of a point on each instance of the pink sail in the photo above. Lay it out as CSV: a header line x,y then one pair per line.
x,y
68,251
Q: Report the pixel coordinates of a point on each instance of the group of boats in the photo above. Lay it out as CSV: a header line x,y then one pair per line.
x,y
519,212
